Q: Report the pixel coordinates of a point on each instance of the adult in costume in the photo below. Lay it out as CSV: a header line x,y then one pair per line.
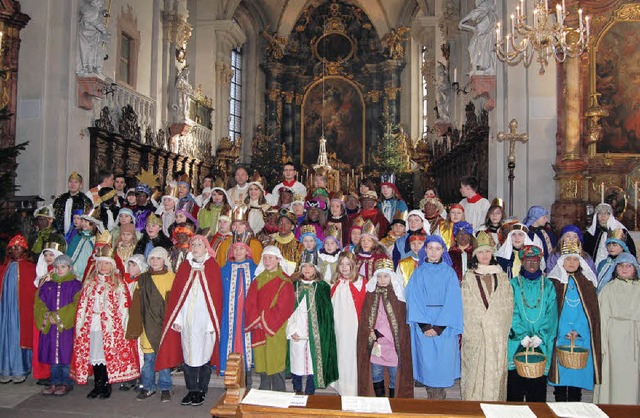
x,y
487,301
46,232
285,240
578,320
508,254
434,314
238,192
384,310
17,293
67,203
191,331
270,301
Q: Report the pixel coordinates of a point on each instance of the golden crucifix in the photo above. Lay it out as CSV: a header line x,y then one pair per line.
x,y
512,137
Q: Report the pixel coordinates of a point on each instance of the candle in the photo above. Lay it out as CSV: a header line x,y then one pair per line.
x,y
455,74
1,40
337,180
513,24
580,18
498,36
518,11
587,19
347,181
635,195
522,8
563,6
508,37
602,192
546,5
535,18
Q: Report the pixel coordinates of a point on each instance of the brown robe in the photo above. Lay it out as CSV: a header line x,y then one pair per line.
x,y
402,338
589,302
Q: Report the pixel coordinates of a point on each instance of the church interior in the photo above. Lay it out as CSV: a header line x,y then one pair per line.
x,y
429,90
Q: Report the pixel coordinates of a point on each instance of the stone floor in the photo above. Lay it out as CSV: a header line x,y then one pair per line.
x,y
25,400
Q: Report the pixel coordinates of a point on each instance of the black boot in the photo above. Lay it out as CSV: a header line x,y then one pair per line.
x,y
378,388
574,394
561,393
97,381
392,393
105,393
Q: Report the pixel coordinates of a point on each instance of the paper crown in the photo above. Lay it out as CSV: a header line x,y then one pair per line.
x,y
307,229
154,220
298,198
184,178
337,195
105,251
244,238
286,213
218,182
384,263
358,222
619,234
52,246
106,194
369,194
307,258
225,214
368,228
103,238
570,248
388,178
400,216
332,231
484,240
498,202
257,178
172,189
75,176
240,213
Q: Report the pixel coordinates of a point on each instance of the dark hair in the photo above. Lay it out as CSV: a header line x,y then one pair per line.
x,y
120,175
238,167
289,163
470,181
435,190
473,264
487,219
103,174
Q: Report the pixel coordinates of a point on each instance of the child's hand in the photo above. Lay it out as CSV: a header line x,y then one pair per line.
x,y
176,327
295,337
52,320
430,333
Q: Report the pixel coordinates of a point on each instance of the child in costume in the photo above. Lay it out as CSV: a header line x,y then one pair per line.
x,y
328,255
270,301
409,264
384,336
311,243
312,340
347,295
54,315
101,321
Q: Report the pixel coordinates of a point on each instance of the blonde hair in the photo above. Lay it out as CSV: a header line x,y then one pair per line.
x,y
353,276
317,277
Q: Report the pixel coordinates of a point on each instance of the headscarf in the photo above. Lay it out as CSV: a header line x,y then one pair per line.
x,y
422,255
189,217
210,251
124,211
41,265
65,260
287,267
18,240
572,228
534,213
462,226
560,273
628,258
396,282
612,240
160,252
612,223
139,260
230,256
426,227
506,250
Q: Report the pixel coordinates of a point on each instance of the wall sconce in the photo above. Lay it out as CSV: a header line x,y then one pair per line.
x,y
108,89
457,90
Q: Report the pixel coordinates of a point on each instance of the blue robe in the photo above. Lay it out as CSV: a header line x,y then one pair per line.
x,y
574,318
389,207
14,360
234,275
434,297
80,250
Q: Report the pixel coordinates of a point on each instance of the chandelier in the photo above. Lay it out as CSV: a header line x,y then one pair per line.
x,y
547,35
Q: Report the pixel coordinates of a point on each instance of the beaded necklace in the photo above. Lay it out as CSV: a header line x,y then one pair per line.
x,y
539,302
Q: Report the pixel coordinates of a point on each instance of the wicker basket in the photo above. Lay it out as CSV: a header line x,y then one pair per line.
x,y
527,369
572,357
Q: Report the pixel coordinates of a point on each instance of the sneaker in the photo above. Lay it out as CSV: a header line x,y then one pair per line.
x,y
165,396
126,386
145,394
5,379
63,390
49,390
187,399
19,379
198,399
43,382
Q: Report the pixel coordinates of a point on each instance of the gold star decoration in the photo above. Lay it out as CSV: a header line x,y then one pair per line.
x,y
148,178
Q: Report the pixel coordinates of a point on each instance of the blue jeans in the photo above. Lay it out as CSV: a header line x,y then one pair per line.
x,y
377,374
310,387
60,375
148,374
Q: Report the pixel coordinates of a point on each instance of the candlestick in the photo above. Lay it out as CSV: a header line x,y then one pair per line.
x,y
602,192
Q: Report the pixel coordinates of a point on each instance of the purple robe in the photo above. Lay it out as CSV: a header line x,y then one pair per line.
x,y
56,346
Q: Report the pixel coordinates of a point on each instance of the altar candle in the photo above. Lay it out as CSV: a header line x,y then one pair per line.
x,y
455,74
559,14
1,40
347,180
580,18
587,20
602,192
635,195
513,24
546,5
522,8
498,33
337,180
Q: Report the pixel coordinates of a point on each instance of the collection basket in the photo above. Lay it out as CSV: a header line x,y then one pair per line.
x,y
530,364
572,357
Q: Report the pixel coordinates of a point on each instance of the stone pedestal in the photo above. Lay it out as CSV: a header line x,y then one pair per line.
x,y
484,86
89,89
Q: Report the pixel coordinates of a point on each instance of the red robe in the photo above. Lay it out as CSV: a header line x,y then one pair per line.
x,y
27,293
357,295
170,352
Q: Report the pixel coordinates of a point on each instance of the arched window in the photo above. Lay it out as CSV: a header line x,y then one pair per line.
x,y
235,96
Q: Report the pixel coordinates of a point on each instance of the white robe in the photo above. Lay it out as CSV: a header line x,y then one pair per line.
x,y
346,328
475,213
300,351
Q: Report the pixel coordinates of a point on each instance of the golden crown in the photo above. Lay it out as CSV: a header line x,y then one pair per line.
x,y
484,240
103,237
75,176
571,248
105,251
307,229
52,246
620,234
154,220
240,213
370,229
384,263
332,231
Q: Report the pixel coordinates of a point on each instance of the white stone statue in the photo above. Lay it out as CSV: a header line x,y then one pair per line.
x,y
443,86
182,89
482,22
92,38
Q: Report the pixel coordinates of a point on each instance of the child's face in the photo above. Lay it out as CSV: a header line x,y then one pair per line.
x,y
104,267
571,264
181,218
495,216
224,226
217,196
456,215
356,234
416,246
239,252
126,237
297,209
517,239
398,229
626,270
239,227
570,238
309,243
49,257
169,204
131,199
384,279
156,263
308,271
345,267
320,181
541,221
415,222
463,239
336,208
330,246
62,269
76,221
133,268
152,229
198,248
386,191
125,219
366,242
85,225
434,252
254,192
313,214
484,257
270,262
